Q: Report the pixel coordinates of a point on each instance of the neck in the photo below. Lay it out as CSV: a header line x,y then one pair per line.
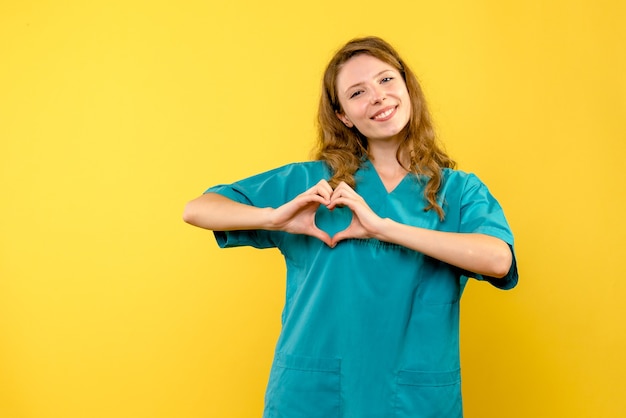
x,y
383,154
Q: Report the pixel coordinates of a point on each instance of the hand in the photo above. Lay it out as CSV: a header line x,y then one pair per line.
x,y
298,215
365,223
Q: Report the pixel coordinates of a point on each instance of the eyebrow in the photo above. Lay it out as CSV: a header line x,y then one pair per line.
x,y
361,82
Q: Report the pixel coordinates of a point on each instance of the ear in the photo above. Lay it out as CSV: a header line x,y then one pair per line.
x,y
342,117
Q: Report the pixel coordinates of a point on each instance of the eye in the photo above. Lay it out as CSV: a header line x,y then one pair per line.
x,y
386,79
356,93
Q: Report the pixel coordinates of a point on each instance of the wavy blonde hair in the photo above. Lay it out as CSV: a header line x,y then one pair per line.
x,y
343,148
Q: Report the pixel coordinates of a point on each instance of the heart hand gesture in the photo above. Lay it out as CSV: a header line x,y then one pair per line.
x,y
298,215
365,223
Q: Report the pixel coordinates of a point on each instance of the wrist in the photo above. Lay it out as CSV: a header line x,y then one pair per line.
x,y
383,232
268,221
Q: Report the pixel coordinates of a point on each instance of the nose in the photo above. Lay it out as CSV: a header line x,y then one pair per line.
x,y
378,94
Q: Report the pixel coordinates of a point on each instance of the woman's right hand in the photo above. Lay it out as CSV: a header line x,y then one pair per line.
x,y
219,213
298,215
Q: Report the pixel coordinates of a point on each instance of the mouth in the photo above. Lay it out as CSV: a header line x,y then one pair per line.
x,y
384,114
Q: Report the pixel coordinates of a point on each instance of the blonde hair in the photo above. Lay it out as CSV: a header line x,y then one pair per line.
x,y
343,148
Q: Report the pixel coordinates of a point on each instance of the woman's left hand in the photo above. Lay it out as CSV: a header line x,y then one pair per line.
x,y
478,253
365,223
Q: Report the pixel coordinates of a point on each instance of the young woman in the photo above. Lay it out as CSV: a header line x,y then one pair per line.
x,y
380,236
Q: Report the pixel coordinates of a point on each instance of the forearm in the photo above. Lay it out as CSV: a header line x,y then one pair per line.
x,y
478,253
219,213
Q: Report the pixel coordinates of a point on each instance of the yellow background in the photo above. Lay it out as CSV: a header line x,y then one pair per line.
x,y
114,113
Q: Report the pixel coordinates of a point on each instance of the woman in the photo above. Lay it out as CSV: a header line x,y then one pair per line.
x,y
380,236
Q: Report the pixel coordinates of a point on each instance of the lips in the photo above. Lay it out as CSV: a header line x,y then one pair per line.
x,y
384,114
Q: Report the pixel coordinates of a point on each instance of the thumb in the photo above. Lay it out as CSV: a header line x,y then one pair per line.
x,y
340,236
321,235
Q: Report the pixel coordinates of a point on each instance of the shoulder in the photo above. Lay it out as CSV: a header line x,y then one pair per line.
x,y
275,186
293,171
302,167
460,177
468,190
464,185
308,172
308,166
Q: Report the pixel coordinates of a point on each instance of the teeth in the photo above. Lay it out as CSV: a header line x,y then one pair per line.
x,y
384,114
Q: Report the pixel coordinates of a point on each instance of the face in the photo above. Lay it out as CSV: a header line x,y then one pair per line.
x,y
373,97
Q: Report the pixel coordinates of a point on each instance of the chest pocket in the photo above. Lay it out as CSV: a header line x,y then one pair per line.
x,y
303,387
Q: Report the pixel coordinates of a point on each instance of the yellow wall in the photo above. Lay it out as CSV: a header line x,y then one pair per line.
x,y
114,113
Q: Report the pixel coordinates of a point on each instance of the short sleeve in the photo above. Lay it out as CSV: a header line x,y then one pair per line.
x,y
269,189
481,213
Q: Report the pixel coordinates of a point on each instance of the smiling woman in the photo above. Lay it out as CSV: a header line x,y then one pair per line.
x,y
374,99
415,148
370,324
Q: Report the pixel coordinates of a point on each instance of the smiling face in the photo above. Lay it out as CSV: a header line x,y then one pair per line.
x,y
373,98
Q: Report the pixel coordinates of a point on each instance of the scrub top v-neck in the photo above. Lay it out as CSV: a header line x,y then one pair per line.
x,y
369,328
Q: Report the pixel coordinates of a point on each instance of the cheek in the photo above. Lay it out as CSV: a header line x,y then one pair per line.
x,y
407,100
355,110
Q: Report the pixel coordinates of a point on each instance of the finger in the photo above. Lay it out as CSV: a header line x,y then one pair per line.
x,y
343,187
342,201
306,199
322,188
343,184
321,235
341,235
343,190
324,183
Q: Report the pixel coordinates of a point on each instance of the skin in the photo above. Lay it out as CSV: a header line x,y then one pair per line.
x,y
367,89
374,99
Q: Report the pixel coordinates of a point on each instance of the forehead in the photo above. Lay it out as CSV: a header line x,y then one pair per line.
x,y
361,68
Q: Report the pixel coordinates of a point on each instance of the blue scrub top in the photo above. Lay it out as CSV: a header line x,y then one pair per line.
x,y
369,328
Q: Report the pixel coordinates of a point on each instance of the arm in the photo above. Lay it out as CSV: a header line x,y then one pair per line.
x,y
216,212
478,253
219,213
